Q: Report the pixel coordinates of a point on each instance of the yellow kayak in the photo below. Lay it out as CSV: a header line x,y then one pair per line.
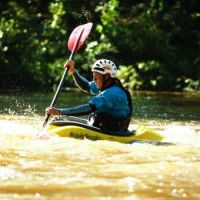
x,y
78,128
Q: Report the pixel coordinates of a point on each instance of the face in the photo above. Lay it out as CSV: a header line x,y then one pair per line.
x,y
98,78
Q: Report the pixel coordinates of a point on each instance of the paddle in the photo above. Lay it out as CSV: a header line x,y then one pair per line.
x,y
76,40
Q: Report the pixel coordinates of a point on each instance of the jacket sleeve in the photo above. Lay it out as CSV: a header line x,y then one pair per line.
x,y
81,82
78,110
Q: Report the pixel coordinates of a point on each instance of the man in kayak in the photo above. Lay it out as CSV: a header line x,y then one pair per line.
x,y
111,108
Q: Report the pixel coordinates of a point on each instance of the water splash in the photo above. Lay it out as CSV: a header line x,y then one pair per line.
x,y
182,134
19,107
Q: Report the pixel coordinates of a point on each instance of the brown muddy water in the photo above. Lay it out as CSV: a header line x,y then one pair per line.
x,y
66,168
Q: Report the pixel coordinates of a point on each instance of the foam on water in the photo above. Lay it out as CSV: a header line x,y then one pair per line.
x,y
173,132
16,128
180,134
84,168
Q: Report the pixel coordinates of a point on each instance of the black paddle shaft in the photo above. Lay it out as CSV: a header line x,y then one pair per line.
x,y
62,79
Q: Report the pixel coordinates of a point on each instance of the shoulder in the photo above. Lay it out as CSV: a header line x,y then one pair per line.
x,y
114,91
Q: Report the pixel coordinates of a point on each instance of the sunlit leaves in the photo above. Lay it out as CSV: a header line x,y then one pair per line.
x,y
130,77
57,9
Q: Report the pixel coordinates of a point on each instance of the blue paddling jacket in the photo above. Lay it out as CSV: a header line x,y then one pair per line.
x,y
112,100
110,108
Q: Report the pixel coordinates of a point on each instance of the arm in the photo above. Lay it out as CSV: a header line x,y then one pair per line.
x,y
78,110
75,111
81,82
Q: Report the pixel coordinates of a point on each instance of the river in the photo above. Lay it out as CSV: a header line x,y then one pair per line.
x,y
66,168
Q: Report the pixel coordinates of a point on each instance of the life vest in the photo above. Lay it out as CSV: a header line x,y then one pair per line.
x,y
105,121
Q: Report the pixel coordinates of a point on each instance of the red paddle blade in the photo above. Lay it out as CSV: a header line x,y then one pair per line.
x,y
78,36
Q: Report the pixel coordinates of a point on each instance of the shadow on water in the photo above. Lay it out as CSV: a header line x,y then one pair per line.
x,y
154,143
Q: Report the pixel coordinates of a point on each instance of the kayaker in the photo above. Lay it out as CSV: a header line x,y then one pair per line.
x,y
111,108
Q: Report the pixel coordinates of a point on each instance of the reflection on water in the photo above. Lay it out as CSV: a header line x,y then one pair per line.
x,y
67,168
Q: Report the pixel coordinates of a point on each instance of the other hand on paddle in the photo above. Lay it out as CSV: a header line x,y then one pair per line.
x,y
70,65
52,111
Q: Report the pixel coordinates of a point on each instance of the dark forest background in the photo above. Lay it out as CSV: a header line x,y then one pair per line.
x,y
155,43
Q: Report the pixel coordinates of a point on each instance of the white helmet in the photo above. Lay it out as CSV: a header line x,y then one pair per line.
x,y
104,66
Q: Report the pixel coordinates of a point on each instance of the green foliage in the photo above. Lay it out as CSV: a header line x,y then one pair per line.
x,y
108,15
155,43
142,75
129,77
57,10
164,36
